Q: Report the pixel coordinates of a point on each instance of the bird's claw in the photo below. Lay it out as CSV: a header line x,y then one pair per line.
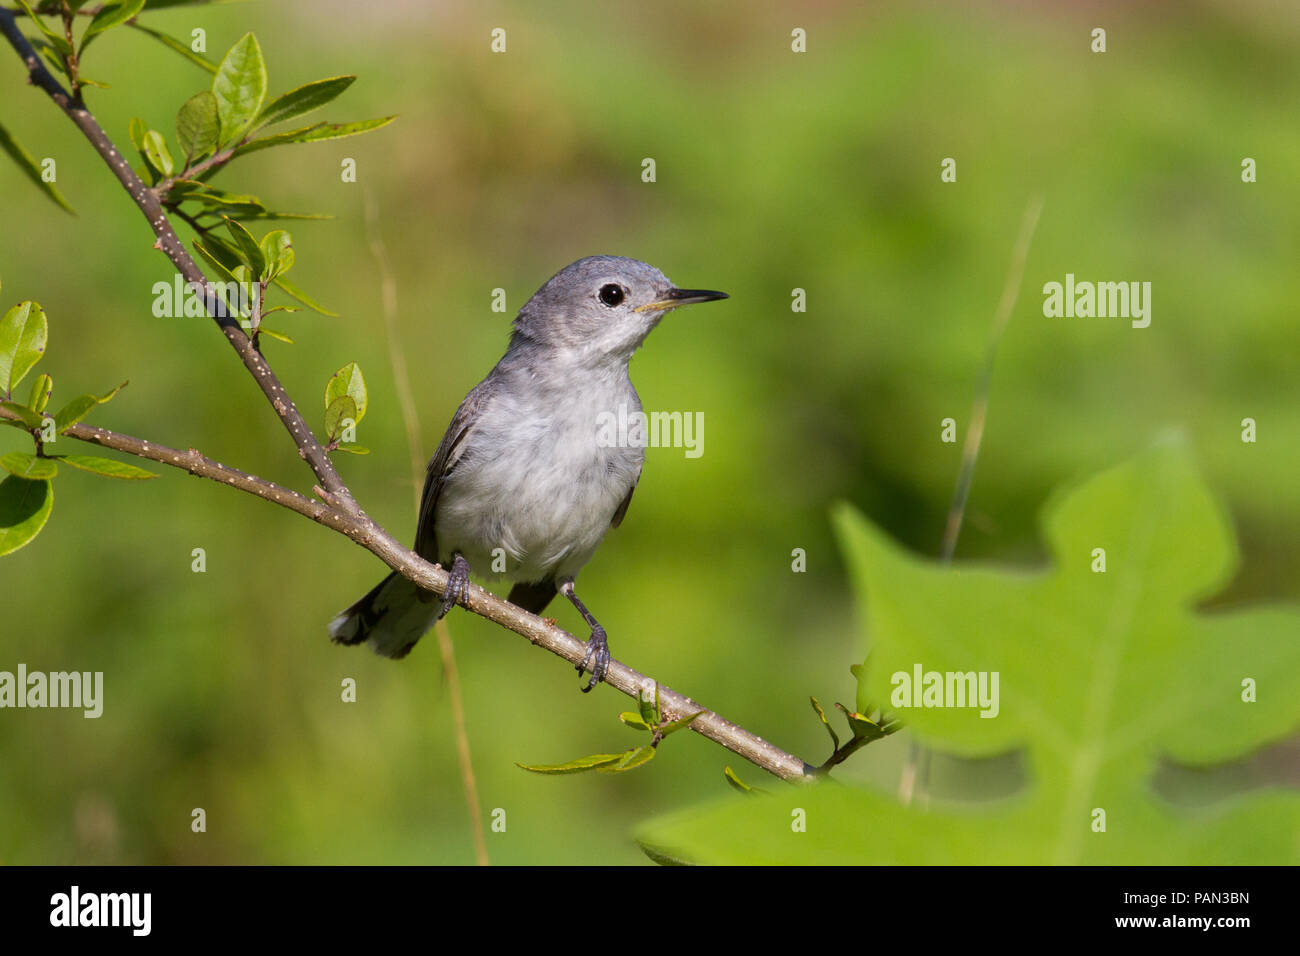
x,y
597,648
457,586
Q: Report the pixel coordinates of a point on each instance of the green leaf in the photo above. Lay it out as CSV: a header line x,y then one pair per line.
x,y
286,286
136,130
263,330
220,252
26,465
155,150
23,332
214,259
348,381
821,714
59,41
738,784
338,411
29,167
106,467
240,87
232,205
864,726
662,857
182,48
303,99
314,134
673,726
262,214
42,389
1102,676
52,54
198,126
79,408
353,449
29,418
182,190
630,760
24,508
582,764
277,253
634,721
163,4
109,16
250,253
146,171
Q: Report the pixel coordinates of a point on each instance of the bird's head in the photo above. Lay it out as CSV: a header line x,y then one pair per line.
x,y
601,308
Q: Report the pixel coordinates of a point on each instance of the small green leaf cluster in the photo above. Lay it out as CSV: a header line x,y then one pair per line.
x,y
60,49
230,119
243,262
27,491
863,729
221,124
65,54
649,718
345,401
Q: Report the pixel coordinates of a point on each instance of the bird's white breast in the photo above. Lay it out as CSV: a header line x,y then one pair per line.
x,y
538,483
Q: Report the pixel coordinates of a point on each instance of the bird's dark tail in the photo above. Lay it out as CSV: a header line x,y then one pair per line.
x,y
533,597
390,618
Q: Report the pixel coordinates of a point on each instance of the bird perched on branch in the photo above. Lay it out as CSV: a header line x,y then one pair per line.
x,y
525,483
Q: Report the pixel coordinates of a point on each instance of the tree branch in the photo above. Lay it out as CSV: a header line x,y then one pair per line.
x,y
217,159
366,533
308,447
339,511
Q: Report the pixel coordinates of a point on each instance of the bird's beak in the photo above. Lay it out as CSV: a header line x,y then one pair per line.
x,y
677,298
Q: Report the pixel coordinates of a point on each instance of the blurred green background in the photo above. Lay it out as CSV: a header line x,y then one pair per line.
x,y
775,171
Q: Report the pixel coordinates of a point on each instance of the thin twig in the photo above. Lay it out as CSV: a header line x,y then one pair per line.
x,y
191,221
71,59
411,418
396,357
464,755
217,159
980,407
916,769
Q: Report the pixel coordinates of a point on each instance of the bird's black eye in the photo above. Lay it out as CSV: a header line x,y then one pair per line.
x,y
611,294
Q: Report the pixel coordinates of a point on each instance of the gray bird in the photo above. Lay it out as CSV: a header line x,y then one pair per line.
x,y
523,478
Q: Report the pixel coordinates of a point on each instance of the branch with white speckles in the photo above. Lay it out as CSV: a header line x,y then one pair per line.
x,y
170,244
337,509
541,632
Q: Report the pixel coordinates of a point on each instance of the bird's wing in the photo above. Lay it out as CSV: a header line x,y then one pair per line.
x,y
441,465
622,506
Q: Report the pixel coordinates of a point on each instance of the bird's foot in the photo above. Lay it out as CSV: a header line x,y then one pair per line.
x,y
597,656
457,586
